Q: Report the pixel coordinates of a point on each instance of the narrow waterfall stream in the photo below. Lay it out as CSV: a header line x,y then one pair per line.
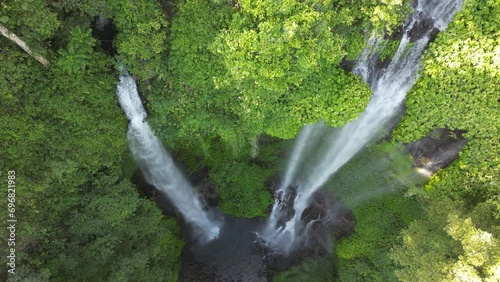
x,y
158,166
389,88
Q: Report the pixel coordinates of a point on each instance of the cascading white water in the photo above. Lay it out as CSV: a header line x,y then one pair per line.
x,y
389,91
157,165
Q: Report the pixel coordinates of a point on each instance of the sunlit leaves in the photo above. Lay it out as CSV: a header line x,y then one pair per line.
x,y
277,44
34,20
448,245
458,89
238,69
141,36
75,57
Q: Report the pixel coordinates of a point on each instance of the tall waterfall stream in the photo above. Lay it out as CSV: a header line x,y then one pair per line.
x,y
158,166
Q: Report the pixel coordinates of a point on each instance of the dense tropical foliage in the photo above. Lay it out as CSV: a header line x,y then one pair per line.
x,y
225,83
462,69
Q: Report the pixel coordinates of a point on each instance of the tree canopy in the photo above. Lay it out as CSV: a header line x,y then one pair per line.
x,y
226,84
458,240
240,69
64,135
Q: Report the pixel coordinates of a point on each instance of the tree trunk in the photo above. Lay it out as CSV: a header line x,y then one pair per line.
x,y
5,32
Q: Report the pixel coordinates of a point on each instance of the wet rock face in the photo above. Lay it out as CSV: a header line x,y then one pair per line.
x,y
287,210
329,215
326,215
203,187
417,32
436,150
420,29
347,65
208,194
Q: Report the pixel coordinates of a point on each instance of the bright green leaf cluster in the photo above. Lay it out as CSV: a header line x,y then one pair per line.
x,y
75,57
458,89
239,70
142,35
451,243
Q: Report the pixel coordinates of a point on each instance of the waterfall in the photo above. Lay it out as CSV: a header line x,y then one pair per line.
x,y
157,165
389,88
101,22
